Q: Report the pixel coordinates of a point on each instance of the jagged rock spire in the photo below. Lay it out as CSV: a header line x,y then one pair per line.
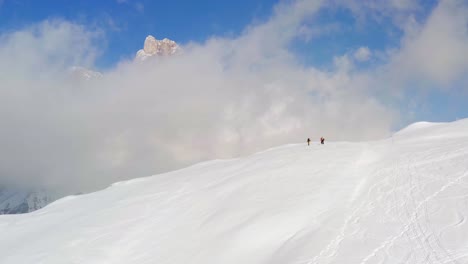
x,y
154,47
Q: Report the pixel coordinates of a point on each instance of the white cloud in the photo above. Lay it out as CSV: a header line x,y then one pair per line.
x,y
307,32
222,98
404,4
140,7
362,54
374,8
437,49
379,11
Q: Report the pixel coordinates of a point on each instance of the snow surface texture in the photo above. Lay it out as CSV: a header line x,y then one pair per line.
x,y
400,200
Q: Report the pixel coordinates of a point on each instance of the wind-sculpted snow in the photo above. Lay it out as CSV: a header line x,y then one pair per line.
x,y
399,200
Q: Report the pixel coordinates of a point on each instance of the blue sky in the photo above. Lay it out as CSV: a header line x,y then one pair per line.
x,y
127,22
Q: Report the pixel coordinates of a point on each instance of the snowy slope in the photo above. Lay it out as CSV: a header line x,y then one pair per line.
x,y
400,200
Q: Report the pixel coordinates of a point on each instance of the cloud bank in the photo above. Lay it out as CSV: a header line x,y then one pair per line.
x,y
226,97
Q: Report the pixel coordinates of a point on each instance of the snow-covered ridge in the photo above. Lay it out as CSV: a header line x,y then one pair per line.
x,y
399,200
19,201
417,126
433,131
84,74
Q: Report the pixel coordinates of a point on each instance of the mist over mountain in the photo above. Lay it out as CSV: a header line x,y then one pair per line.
x,y
31,196
82,74
15,200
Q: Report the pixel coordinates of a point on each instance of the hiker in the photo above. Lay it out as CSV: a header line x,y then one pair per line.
x,y
322,140
308,141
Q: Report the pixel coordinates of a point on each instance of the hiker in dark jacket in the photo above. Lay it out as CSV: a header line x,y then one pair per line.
x,y
322,140
308,142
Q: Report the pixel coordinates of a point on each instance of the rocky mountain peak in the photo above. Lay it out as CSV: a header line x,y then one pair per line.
x,y
84,74
155,47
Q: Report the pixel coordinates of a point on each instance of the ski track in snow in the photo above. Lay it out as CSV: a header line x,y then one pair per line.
x,y
400,200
